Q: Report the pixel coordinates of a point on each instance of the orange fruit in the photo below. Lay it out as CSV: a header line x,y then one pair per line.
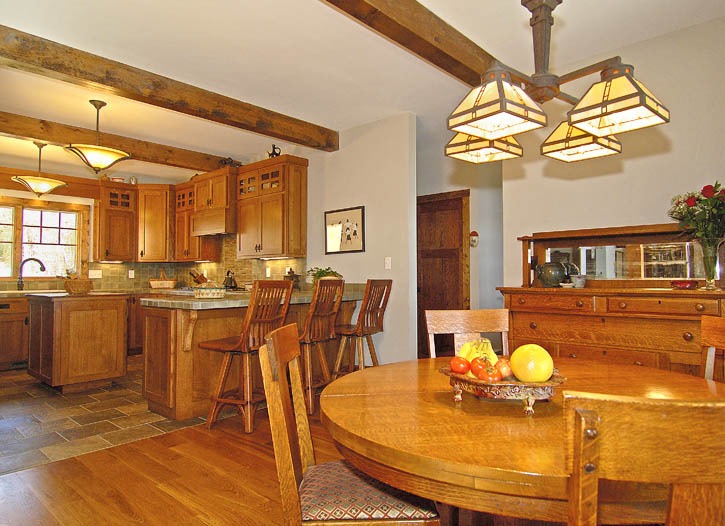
x,y
531,363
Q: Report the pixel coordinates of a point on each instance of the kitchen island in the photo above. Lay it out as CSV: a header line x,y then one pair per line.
x,y
179,377
77,342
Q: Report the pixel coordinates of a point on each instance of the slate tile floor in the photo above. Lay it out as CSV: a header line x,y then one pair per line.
x,y
39,425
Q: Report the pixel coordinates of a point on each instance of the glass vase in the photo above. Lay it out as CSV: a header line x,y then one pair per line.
x,y
710,248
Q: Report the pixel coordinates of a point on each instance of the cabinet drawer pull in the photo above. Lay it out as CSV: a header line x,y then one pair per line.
x,y
522,301
572,355
687,336
533,325
638,363
4,305
579,303
622,305
699,307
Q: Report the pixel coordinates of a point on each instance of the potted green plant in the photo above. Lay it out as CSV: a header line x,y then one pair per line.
x,y
318,272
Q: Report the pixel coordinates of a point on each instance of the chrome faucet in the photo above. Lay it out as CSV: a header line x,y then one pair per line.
x,y
21,283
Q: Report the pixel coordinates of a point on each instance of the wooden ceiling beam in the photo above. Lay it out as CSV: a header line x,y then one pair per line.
x,y
37,55
23,127
418,30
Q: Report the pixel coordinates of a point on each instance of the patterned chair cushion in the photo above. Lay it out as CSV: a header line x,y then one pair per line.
x,y
338,491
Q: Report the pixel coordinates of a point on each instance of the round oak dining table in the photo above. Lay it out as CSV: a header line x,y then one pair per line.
x,y
399,424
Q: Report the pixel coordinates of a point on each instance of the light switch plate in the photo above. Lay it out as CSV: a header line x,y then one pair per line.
x,y
95,274
388,263
268,272
131,274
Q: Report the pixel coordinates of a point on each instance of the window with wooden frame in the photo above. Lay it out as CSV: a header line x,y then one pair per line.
x,y
55,233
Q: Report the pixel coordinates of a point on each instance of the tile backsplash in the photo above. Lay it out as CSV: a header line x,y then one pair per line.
x,y
115,276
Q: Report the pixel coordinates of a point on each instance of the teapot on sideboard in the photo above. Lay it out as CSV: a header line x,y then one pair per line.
x,y
551,274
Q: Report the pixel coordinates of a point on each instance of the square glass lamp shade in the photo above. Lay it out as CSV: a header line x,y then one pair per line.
x,y
570,144
477,150
496,109
617,104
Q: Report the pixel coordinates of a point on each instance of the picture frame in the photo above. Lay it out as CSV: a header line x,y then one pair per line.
x,y
345,230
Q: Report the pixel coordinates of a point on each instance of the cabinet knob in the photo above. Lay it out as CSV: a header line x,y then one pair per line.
x,y
572,355
522,301
142,253
699,307
687,336
533,325
622,305
26,321
579,303
108,252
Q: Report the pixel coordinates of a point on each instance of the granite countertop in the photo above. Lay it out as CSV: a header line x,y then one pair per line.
x,y
181,299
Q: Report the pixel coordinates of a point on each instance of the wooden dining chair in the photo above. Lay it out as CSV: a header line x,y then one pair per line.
x,y
467,325
319,328
268,305
621,438
712,337
331,492
369,322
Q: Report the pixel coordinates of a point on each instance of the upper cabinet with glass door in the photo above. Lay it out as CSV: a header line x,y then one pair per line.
x,y
633,257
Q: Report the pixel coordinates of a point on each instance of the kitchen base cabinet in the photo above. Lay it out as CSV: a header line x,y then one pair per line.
x,y
648,327
77,342
179,377
14,331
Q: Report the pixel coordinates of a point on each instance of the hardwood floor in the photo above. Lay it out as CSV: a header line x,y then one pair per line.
x,y
190,476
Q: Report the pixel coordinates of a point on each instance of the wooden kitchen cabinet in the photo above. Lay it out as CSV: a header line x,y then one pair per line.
x,y
272,208
214,210
14,330
650,327
154,223
77,342
186,246
114,223
134,342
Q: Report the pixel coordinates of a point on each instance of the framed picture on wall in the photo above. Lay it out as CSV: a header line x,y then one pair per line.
x,y
345,230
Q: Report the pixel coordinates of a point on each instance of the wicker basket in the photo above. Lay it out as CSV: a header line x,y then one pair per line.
x,y
78,286
162,282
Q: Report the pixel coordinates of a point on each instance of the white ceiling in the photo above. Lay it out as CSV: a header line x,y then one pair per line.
x,y
298,57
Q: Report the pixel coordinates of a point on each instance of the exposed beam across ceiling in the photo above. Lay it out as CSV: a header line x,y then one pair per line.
x,y
62,134
420,31
37,55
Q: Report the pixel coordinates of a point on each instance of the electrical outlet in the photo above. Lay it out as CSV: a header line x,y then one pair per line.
x,y
95,274
131,274
268,272
388,263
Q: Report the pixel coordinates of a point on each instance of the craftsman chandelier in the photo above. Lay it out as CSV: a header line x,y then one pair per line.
x,y
38,184
506,104
95,156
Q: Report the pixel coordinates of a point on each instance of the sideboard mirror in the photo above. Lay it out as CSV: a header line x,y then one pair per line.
x,y
636,256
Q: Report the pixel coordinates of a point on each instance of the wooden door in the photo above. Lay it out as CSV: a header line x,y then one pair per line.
x,y
118,228
14,330
153,231
443,261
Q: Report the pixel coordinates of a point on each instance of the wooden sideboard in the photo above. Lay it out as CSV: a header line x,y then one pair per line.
x,y
649,327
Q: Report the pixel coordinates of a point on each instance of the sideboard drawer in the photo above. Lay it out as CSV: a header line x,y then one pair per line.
x,y
677,306
620,356
631,333
552,302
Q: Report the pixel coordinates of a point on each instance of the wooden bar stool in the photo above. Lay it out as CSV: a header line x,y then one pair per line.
x,y
319,327
268,305
369,322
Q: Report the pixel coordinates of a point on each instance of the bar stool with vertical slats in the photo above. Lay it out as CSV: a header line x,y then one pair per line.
x,y
369,322
319,327
268,305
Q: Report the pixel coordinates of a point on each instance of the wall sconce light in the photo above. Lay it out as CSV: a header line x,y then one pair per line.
x,y
95,156
38,184
473,238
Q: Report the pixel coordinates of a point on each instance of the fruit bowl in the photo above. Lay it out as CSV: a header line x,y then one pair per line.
x,y
684,284
527,392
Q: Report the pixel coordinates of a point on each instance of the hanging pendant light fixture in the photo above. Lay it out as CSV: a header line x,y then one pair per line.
x,y
617,104
567,143
38,184
506,104
497,108
95,156
477,150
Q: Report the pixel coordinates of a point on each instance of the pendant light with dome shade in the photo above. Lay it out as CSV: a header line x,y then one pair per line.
x,y
507,103
95,156
38,184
